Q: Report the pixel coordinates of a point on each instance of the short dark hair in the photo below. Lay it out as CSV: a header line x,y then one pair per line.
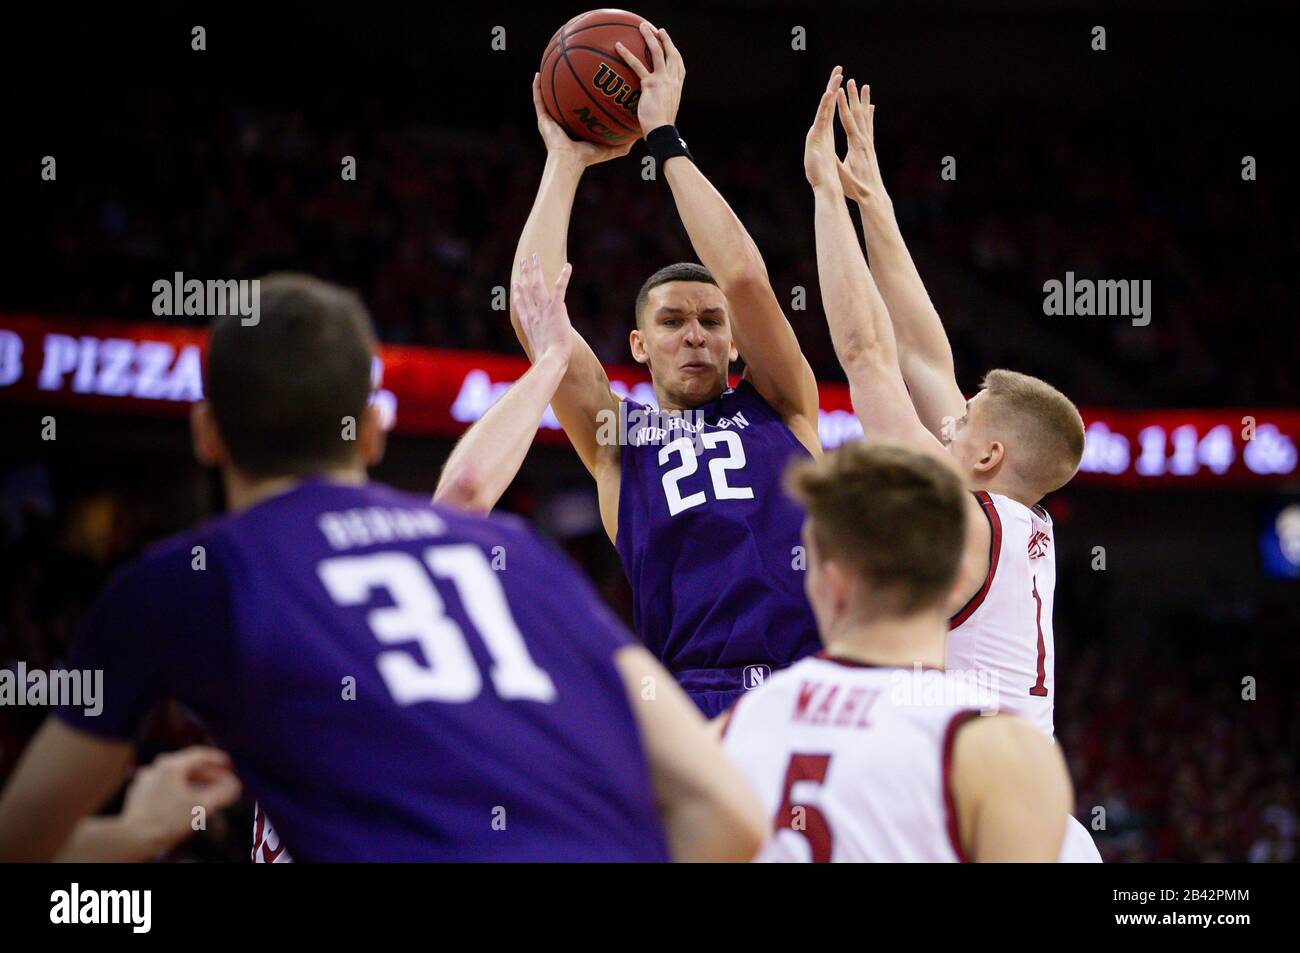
x,y
682,271
894,516
279,389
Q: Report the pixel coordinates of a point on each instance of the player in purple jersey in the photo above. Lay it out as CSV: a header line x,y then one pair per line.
x,y
691,495
393,680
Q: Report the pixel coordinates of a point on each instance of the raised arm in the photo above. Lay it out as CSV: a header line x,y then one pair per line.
x,y
583,391
774,363
855,311
487,458
925,356
863,336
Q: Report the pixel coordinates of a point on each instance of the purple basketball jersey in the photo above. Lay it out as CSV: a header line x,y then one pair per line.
x,y
394,680
710,541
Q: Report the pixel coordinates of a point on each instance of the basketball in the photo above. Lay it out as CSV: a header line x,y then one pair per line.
x,y
586,86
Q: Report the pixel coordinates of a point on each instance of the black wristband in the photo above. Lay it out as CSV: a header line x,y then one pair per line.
x,y
666,142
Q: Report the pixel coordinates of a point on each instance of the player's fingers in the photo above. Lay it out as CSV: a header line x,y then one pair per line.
x,y
653,44
824,109
537,95
220,791
523,302
523,288
637,67
539,281
203,758
670,48
195,757
535,292
837,74
562,283
817,130
854,103
517,294
846,119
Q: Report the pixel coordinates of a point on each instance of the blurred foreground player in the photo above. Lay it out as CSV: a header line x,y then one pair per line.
x,y
1015,441
868,751
690,494
382,691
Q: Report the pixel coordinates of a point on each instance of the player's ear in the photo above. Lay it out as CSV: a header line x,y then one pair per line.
x,y
837,588
733,355
372,439
637,342
991,458
209,448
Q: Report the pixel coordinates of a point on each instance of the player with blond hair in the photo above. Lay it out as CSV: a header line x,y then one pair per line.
x,y
1013,443
868,751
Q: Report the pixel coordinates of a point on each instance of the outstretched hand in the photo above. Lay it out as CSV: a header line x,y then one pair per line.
x,y
543,318
559,143
820,164
860,172
661,90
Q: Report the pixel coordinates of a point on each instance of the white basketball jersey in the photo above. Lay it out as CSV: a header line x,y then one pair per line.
x,y
851,761
1006,628
267,848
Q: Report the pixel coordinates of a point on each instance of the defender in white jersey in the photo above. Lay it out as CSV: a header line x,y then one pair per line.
x,y
1005,628
868,751
1017,440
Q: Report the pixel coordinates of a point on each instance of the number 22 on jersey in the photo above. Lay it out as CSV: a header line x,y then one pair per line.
x,y
684,448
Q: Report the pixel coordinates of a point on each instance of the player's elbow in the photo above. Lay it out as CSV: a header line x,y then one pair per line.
x,y
748,276
751,834
465,489
739,817
23,840
737,829
860,355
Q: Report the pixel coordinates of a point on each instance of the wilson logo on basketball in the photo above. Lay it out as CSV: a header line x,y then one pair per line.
x,y
616,88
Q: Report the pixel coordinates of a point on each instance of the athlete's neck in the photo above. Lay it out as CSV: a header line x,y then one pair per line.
x,y
243,491
1010,489
918,639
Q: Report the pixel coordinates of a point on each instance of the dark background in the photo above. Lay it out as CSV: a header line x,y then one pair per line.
x,y
1120,164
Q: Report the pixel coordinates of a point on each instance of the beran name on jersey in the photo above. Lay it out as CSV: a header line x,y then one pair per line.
x,y
379,524
103,906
